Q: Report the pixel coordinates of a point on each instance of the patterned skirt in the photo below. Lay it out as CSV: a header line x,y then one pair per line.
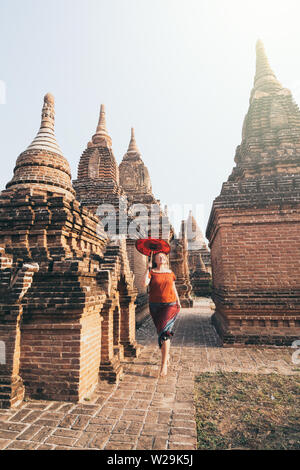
x,y
164,315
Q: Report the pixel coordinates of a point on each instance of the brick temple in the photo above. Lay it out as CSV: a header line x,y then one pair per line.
x,y
67,312
254,225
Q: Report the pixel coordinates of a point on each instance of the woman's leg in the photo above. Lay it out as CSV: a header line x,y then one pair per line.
x,y
165,353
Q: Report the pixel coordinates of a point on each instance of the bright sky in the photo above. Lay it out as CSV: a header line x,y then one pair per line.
x,y
179,72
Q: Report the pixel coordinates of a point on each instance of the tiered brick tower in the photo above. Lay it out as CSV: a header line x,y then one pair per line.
x,y
179,263
199,274
136,183
134,175
98,173
254,223
57,275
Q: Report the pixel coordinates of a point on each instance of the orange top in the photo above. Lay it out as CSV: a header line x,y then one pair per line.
x,y
161,287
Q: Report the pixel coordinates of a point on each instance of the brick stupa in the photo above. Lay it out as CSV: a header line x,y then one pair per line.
x,y
255,222
199,275
136,183
134,175
98,173
67,294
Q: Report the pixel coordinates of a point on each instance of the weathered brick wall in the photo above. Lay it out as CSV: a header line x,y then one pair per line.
x,y
15,280
50,362
218,274
265,255
11,384
91,344
61,361
60,310
256,275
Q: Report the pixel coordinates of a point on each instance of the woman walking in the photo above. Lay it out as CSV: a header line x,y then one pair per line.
x,y
164,304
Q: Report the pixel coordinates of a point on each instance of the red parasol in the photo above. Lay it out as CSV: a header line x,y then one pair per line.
x,y
149,246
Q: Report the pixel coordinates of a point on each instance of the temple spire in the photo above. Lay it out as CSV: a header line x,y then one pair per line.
x,y
265,79
132,148
134,175
101,136
37,165
194,234
45,138
182,230
102,121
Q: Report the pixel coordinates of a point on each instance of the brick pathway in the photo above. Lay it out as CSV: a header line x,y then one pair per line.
x,y
142,411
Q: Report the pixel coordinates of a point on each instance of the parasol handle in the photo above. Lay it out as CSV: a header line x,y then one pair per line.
x,y
151,254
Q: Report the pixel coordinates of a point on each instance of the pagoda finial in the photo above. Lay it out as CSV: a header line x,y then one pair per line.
x,y
132,148
102,121
101,137
182,229
265,79
45,138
